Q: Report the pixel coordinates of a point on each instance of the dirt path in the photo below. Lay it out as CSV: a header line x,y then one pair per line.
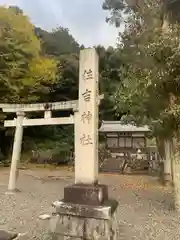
x,y
144,212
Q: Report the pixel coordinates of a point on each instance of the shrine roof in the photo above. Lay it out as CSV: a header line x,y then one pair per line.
x,y
118,126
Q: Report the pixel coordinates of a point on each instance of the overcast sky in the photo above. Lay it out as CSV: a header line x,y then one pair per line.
x,y
84,18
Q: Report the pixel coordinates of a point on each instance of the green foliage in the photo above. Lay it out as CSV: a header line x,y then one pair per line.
x,y
23,70
66,87
54,144
116,8
109,67
120,10
57,42
149,93
61,45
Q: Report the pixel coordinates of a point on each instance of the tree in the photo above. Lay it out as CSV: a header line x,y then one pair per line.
x,y
16,9
150,90
61,45
117,9
109,68
57,42
23,69
66,87
120,10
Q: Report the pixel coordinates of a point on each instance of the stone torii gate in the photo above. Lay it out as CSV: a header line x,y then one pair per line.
x,y
21,121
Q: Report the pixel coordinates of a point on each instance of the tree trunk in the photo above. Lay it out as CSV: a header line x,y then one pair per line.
x,y
165,150
167,161
176,180
160,147
176,172
173,151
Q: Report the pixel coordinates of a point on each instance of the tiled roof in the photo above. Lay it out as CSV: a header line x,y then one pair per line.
x,y
117,126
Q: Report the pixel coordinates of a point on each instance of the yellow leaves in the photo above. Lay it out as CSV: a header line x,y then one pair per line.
x,y
25,73
42,70
17,28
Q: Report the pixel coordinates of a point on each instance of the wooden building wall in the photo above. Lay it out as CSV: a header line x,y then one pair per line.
x,y
119,141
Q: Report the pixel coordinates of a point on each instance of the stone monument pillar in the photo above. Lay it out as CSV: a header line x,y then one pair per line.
x,y
86,212
86,165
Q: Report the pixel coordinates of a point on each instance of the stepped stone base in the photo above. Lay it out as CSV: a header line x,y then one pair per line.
x,y
88,222
88,194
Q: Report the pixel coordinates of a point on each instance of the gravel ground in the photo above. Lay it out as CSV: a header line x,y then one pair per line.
x,y
144,212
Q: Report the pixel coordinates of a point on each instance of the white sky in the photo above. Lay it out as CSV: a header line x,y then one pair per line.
x,y
84,18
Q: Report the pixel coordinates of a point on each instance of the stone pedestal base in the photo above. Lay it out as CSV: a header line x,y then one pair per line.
x,y
85,222
86,194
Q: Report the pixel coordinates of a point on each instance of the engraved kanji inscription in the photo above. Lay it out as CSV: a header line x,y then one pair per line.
x,y
86,140
87,75
86,117
87,95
